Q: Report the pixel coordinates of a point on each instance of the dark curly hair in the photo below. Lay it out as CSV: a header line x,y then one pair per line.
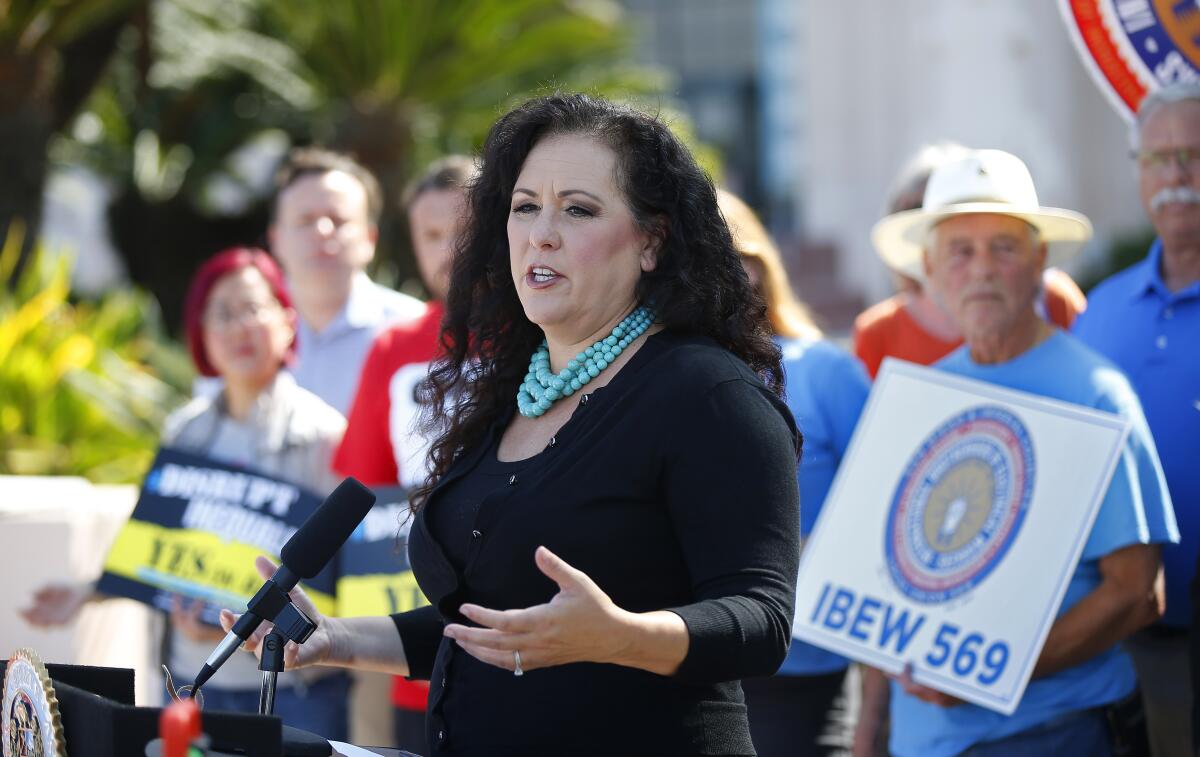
x,y
697,287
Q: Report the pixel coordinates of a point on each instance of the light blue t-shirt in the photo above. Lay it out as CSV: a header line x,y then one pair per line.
x,y
1136,510
1153,335
826,390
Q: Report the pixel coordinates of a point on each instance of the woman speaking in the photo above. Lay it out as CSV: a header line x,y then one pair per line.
x,y
609,535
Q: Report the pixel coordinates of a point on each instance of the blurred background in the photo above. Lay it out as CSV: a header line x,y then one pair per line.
x,y
139,136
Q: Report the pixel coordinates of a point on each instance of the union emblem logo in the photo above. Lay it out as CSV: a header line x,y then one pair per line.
x,y
1133,47
959,504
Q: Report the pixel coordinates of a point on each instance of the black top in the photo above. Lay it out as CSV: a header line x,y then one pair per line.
x,y
673,487
452,522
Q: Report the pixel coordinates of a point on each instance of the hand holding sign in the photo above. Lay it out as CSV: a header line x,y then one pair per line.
x,y
196,529
56,605
924,693
959,495
185,618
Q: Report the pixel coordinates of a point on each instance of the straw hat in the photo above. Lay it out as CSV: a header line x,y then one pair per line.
x,y
981,181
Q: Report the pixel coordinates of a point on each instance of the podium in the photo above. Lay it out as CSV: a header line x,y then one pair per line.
x,y
99,718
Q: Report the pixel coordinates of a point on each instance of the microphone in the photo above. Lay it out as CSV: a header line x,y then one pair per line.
x,y
303,556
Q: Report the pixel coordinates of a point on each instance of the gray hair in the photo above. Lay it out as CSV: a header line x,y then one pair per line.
x,y
915,173
1179,91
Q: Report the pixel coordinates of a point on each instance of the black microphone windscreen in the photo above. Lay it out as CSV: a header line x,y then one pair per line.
x,y
327,529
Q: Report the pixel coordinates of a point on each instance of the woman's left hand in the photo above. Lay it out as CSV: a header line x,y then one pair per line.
x,y
580,624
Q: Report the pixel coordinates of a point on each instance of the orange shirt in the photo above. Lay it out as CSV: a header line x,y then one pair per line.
x,y
886,329
1064,299
366,451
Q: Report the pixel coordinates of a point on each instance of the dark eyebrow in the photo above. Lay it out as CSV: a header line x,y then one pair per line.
x,y
564,193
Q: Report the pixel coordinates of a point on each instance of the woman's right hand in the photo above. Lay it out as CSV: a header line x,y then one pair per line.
x,y
314,651
56,605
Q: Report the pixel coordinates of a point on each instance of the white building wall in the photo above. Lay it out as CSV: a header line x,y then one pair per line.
x,y
883,77
782,96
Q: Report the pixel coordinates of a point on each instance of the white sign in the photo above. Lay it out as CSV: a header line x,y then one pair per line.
x,y
952,530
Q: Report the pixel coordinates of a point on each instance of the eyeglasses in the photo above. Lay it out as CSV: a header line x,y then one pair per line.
x,y
221,317
1186,158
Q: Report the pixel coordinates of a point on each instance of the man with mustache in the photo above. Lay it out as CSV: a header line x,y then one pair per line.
x,y
985,241
1146,319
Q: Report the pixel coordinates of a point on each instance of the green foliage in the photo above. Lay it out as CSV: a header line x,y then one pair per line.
x,y
213,84
451,68
396,83
32,27
84,386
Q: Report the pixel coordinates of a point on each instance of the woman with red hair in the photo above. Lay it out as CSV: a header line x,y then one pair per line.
x,y
241,328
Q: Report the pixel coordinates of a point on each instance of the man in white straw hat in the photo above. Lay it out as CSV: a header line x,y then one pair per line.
x,y
985,240
1147,321
910,325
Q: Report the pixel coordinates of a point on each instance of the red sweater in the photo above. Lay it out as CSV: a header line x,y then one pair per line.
x,y
378,428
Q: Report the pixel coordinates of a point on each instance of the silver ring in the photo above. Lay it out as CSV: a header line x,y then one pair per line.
x,y
517,664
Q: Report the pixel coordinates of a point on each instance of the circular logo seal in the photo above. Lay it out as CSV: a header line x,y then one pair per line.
x,y
1133,47
959,504
30,723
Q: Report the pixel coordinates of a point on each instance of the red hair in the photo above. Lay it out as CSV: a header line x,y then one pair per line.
x,y
206,277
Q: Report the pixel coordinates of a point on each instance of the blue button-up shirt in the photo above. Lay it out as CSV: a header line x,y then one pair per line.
x,y
329,361
1153,335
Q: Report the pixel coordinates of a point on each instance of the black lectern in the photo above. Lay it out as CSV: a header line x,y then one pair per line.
x,y
99,718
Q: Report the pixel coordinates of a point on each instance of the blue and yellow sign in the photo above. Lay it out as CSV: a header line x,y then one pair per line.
x,y
196,529
374,577
199,524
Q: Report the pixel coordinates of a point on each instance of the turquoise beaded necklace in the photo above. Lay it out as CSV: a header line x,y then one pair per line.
x,y
541,388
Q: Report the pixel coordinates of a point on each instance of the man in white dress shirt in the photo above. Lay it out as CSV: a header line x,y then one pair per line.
x,y
323,231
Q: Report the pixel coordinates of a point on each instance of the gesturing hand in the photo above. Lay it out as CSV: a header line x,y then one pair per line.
x,y
315,650
580,624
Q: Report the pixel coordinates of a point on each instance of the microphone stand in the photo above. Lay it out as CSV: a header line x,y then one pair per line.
x,y
270,604
271,665
312,546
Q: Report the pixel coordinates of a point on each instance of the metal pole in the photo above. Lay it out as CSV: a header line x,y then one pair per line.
x,y
271,665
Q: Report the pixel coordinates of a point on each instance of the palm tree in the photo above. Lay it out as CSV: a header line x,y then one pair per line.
x,y
394,82
402,82
52,54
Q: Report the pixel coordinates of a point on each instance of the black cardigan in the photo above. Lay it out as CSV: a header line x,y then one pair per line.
x,y
673,487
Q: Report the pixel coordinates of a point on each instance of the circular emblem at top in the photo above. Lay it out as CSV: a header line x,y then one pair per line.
x,y
959,504
1133,47
31,726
